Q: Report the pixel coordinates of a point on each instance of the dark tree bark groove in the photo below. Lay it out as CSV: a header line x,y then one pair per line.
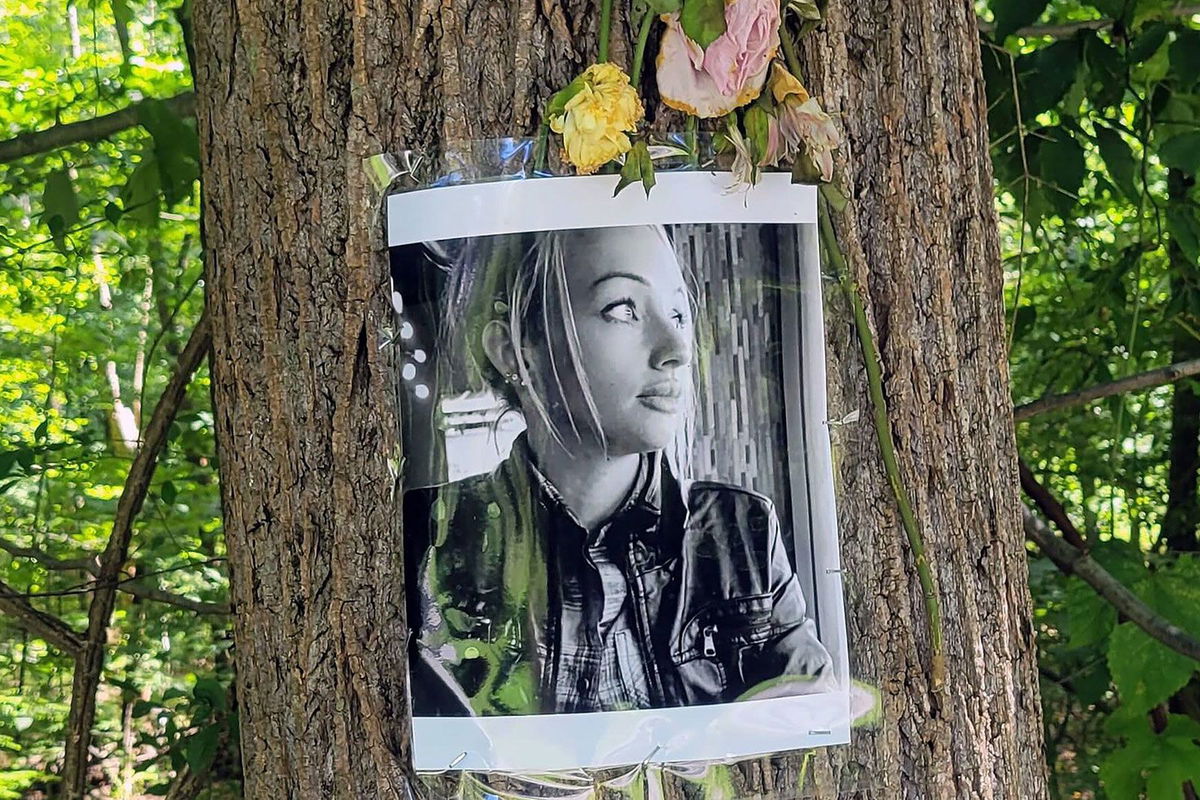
x,y
293,95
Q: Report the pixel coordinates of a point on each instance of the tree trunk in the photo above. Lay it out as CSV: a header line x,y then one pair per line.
x,y
1181,521
293,95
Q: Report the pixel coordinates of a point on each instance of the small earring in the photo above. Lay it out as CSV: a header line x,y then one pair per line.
x,y
514,377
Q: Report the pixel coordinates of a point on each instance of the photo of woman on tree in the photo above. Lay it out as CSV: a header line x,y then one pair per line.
x,y
585,572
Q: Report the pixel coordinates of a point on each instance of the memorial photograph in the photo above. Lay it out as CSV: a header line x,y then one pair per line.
x,y
609,491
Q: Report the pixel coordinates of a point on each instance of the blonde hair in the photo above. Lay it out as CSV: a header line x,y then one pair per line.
x,y
521,280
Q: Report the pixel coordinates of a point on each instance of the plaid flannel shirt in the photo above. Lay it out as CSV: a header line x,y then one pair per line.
x,y
600,665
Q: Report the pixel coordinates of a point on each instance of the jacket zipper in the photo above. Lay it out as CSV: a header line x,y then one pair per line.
x,y
710,646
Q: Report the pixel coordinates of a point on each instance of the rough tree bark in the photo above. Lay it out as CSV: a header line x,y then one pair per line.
x,y
293,95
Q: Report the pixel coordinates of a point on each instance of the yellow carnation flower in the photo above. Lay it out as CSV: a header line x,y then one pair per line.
x,y
600,109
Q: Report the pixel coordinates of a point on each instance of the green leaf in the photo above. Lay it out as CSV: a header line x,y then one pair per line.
x,y
1026,316
557,106
1145,672
142,707
1147,43
998,83
1185,58
176,149
1090,617
1121,773
757,124
173,693
664,6
1118,157
805,9
1105,72
647,172
1061,162
210,690
112,213
703,20
638,167
1046,75
167,492
1013,14
201,748
1092,683
1156,763
59,203
140,195
1184,228
39,432
1182,152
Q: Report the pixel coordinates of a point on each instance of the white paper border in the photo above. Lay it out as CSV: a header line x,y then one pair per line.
x,y
586,201
696,733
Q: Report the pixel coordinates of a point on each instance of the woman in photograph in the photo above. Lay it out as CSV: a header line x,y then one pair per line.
x,y
586,572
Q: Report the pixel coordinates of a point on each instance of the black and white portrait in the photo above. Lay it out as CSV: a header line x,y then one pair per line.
x,y
613,506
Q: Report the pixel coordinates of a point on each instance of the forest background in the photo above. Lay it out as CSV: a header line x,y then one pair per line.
x,y
1094,113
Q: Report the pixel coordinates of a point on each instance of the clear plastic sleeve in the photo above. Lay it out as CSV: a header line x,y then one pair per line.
x,y
759,342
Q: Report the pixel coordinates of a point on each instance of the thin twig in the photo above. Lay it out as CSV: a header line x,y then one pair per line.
x,y
46,626
1064,29
91,565
1072,560
1049,505
90,664
88,130
1142,380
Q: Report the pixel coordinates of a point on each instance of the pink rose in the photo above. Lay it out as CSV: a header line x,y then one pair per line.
x,y
731,72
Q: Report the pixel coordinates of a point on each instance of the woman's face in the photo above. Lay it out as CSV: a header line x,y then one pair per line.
x,y
634,326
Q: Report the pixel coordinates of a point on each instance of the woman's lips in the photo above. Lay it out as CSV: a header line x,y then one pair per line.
x,y
663,397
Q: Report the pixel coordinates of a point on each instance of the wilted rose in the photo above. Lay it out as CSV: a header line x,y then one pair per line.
x,y
745,169
802,122
730,72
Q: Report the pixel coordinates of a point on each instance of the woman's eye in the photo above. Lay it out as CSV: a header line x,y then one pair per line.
x,y
620,311
680,319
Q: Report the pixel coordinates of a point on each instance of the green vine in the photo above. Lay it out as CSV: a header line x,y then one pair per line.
x,y
883,431
639,52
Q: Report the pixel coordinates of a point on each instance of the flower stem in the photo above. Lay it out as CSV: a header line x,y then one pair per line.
x,y
605,27
883,432
693,145
541,146
789,47
639,53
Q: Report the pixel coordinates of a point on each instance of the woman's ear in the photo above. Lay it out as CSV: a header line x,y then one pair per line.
x,y
498,344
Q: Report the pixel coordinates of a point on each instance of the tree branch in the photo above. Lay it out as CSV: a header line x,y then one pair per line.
x,y
1049,506
137,588
91,662
88,130
1072,560
1065,29
47,626
1142,380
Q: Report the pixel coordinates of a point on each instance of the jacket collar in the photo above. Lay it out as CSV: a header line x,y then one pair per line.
x,y
644,497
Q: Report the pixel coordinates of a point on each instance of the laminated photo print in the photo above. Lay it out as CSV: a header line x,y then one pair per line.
x,y
619,522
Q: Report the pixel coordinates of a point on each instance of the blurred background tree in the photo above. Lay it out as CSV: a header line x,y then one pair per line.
x,y
1094,110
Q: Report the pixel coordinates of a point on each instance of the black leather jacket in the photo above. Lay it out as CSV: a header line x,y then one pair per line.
x,y
716,604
